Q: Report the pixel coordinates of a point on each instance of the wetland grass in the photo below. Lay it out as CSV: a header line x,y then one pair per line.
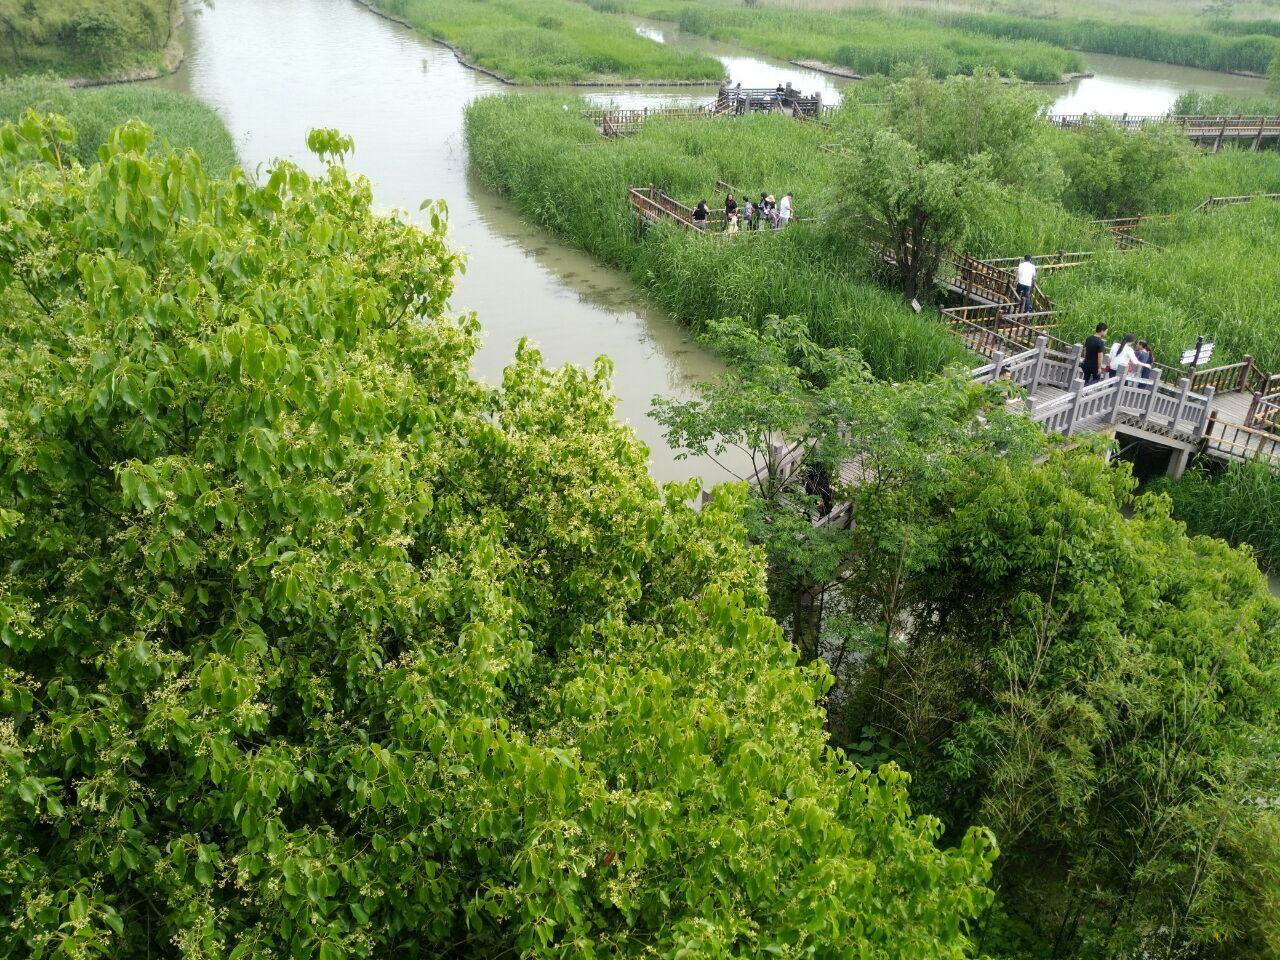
x,y
551,41
183,121
573,182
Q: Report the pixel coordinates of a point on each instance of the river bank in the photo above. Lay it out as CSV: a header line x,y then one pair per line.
x,y
402,99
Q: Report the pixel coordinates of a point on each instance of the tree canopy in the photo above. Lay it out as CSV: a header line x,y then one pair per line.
x,y
1102,692
313,646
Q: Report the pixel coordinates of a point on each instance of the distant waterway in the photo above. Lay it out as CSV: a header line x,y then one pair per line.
x,y
276,68
1118,85
1144,88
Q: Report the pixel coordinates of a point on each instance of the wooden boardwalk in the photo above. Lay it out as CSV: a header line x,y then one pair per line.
x,y
1212,132
729,102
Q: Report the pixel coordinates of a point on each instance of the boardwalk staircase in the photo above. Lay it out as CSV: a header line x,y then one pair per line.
x,y
1230,412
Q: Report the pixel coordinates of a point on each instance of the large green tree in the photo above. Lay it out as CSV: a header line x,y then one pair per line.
x,y
1102,692
313,646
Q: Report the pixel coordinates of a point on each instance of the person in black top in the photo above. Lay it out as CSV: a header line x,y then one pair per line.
x,y
700,215
730,208
1094,347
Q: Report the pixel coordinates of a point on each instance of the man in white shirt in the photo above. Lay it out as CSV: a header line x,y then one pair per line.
x,y
784,211
1026,281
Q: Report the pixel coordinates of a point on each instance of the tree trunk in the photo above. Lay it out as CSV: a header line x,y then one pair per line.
x,y
806,618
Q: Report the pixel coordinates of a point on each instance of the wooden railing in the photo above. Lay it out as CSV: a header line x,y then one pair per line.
x,y
986,329
1061,260
1147,403
1234,441
740,100
653,205
1240,124
618,122
1212,203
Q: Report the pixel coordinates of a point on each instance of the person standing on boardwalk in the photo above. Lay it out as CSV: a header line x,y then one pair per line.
x,y
762,209
700,215
1094,347
1144,362
1123,359
784,210
1026,281
730,210
748,213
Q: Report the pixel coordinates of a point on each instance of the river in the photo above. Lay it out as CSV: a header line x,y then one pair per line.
x,y
274,69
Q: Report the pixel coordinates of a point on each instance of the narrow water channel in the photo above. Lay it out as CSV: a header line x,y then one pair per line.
x,y
276,68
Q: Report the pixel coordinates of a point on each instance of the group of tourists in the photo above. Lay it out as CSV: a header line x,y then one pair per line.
x,y
1127,356
765,213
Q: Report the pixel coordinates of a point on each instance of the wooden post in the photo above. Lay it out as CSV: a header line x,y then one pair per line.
x,y
1042,344
1208,431
1204,419
1152,395
1077,387
1073,362
1245,370
1257,141
1184,387
1119,381
1252,412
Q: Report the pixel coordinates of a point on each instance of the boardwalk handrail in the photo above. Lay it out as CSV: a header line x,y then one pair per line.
x,y
1149,403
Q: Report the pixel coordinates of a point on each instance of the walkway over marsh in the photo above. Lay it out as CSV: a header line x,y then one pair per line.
x,y
1213,132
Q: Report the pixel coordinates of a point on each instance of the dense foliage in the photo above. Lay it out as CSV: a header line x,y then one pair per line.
x,y
313,646
1104,693
1240,503
82,36
93,113
551,41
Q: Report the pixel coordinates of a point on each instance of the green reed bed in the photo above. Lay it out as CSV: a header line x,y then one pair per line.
x,y
1214,274
1197,103
570,180
1191,48
551,41
183,121
1239,503
866,42
85,38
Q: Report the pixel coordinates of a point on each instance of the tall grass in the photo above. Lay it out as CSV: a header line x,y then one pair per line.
x,y
1239,503
570,180
183,121
866,42
82,37
1191,48
551,41
1199,104
1214,274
